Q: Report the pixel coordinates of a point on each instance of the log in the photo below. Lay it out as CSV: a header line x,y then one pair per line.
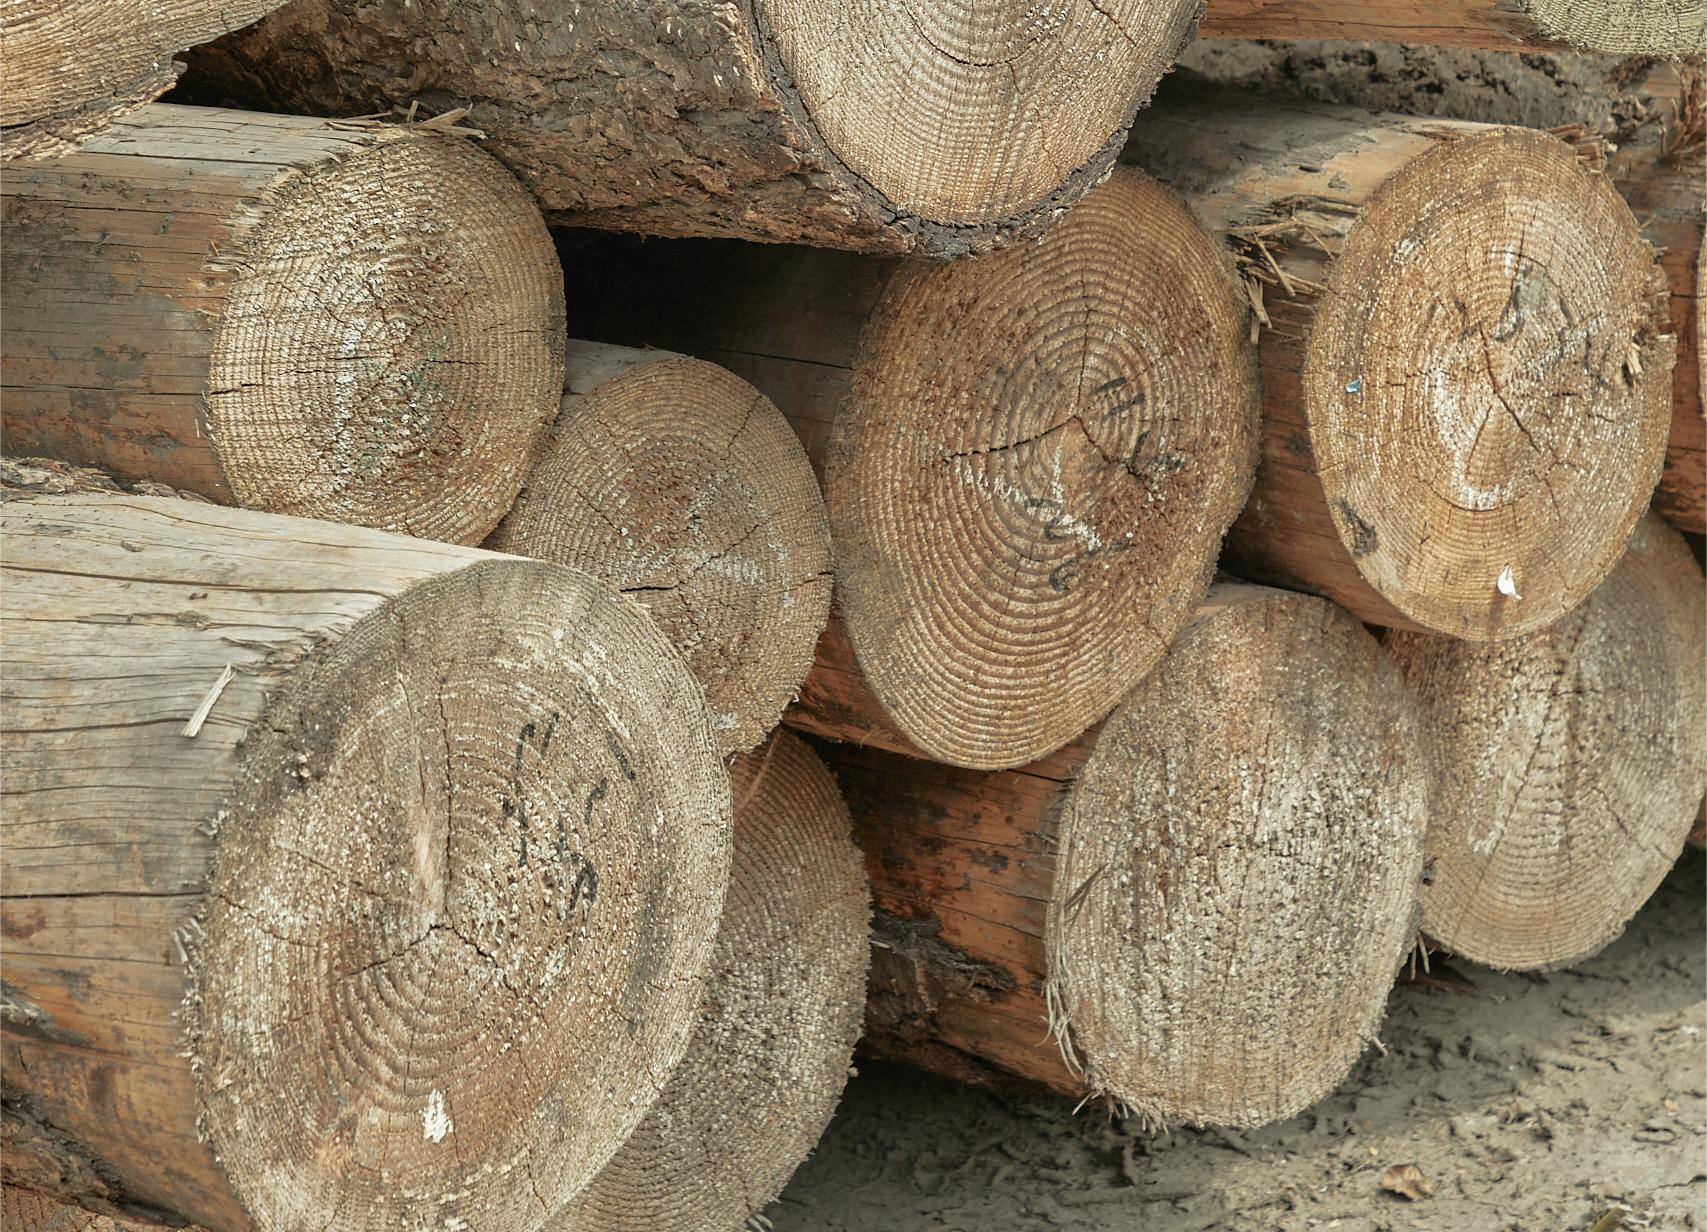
x,y
1027,467
74,66
1569,764
1205,901
1654,114
341,869
678,483
776,1032
938,129
1467,366
1669,28
22,1210
362,323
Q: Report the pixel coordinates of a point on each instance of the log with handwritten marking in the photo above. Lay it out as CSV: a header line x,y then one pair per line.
x,y
1654,115
361,323
349,879
770,1054
1029,457
1467,358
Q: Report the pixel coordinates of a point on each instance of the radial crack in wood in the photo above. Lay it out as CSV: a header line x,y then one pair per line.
x,y
1030,457
1204,901
1569,764
411,932
776,1032
362,323
1654,115
1467,360
678,483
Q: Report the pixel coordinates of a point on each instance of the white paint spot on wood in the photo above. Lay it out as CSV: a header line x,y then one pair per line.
x,y
1506,583
435,1122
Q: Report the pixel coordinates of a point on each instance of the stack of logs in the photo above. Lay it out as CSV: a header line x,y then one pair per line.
x,y
1209,546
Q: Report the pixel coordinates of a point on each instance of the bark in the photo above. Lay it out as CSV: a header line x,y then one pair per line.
x,y
1027,468
1569,765
361,323
678,483
1671,28
74,66
776,120
1655,116
1466,362
1088,896
24,1210
338,869
777,1030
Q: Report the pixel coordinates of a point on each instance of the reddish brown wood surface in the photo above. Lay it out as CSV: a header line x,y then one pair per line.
x,y
1639,26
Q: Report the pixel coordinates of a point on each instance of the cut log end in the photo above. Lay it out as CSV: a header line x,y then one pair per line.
x,y
432,366
1488,384
460,905
1671,28
677,482
1030,480
1236,886
1570,763
973,114
770,1055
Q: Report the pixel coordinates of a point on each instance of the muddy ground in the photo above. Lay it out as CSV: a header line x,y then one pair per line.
x,y
1569,1101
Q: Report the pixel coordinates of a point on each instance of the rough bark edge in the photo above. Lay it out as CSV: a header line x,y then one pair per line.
x,y
30,1146
21,478
55,136
912,974
948,240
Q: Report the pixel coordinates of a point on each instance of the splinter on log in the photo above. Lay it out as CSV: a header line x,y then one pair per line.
x,y
776,1033
678,483
1669,28
1207,900
1569,764
937,127
1654,114
1030,457
1466,361
361,323
73,66
350,880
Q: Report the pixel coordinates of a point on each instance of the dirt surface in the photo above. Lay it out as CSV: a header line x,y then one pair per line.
x,y
1575,1100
